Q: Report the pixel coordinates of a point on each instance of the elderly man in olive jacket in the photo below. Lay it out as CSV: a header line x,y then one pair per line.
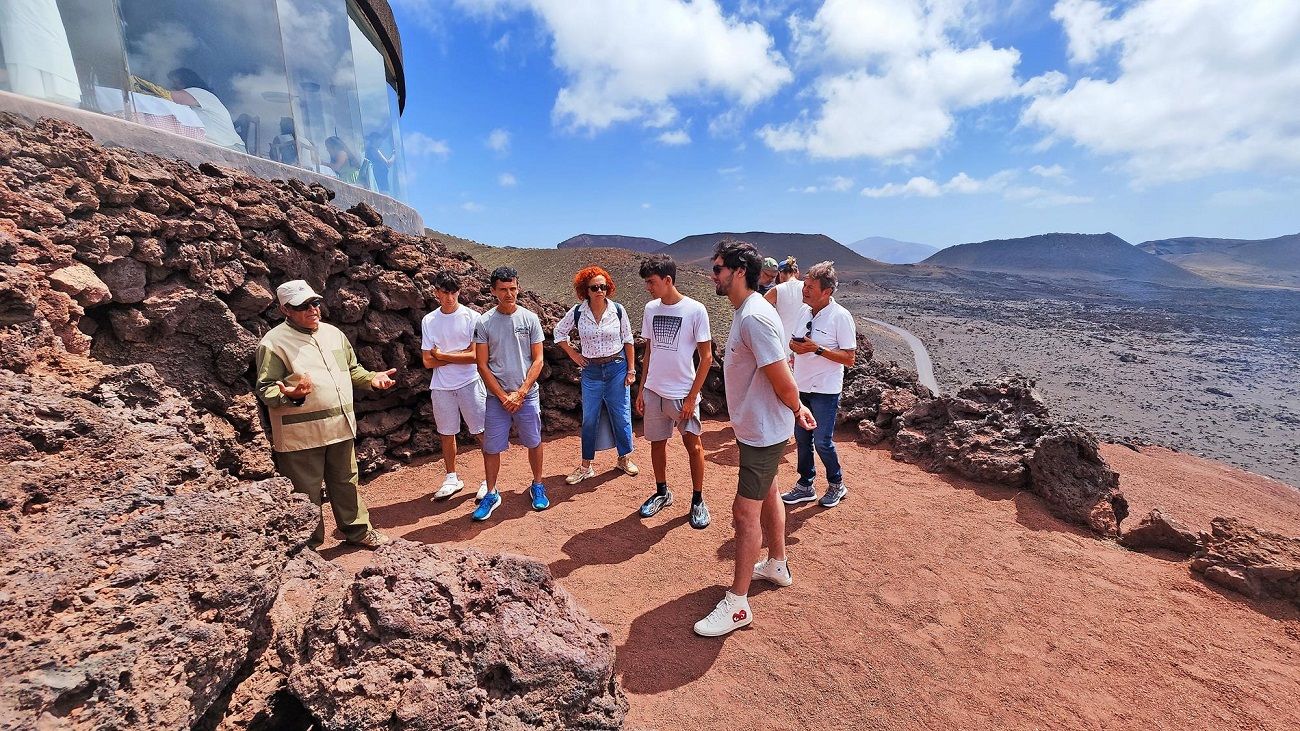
x,y
306,371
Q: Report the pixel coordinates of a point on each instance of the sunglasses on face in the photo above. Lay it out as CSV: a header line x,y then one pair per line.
x,y
309,304
717,268
597,287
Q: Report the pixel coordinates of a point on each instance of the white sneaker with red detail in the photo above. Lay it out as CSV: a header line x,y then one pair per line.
x,y
731,613
777,572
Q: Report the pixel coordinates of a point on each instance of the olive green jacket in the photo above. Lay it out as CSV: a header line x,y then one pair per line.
x,y
327,415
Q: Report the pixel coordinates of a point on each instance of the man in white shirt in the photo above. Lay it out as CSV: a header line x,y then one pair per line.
x,y
676,328
764,405
787,297
455,388
824,343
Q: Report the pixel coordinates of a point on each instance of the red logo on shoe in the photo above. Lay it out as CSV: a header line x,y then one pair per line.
x,y
739,616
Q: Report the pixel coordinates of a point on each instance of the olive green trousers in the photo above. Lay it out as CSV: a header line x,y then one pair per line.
x,y
335,467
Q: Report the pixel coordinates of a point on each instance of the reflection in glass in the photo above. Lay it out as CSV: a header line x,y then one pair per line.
x,y
372,94
323,88
208,69
399,163
67,52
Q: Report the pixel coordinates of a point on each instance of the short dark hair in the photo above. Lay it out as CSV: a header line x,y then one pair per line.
x,y
659,265
445,281
503,274
740,255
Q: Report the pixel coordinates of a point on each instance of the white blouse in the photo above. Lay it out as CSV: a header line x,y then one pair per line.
x,y
599,339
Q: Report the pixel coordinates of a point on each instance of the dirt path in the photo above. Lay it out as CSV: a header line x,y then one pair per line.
x,y
921,602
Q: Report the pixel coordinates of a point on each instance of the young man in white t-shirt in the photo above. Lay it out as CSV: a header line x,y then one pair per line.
x,y
824,342
763,401
676,329
456,390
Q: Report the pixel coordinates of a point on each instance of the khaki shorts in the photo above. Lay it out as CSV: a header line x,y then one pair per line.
x,y
758,467
660,417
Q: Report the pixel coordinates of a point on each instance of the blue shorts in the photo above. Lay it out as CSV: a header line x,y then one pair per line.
x,y
527,420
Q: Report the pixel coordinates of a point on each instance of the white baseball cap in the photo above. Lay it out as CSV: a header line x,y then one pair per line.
x,y
295,292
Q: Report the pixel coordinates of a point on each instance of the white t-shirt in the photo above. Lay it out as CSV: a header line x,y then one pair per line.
x,y
673,332
759,418
790,306
450,333
217,123
833,327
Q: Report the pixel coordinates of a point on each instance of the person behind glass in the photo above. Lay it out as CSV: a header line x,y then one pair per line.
x,y
188,88
342,160
284,146
379,162
508,349
306,371
456,390
676,328
606,362
825,342
764,405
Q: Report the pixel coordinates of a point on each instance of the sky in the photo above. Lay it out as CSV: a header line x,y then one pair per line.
x,y
935,121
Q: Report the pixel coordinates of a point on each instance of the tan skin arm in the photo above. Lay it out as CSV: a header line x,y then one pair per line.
x,y
489,381
435,358
843,357
770,296
180,96
778,373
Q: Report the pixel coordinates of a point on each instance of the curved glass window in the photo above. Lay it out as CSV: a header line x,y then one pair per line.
x,y
64,51
377,119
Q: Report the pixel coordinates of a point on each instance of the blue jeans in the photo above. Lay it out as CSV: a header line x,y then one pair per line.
x,y
603,383
824,407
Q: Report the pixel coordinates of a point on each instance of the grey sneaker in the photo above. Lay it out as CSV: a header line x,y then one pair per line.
x,y
655,503
700,518
834,494
372,539
799,494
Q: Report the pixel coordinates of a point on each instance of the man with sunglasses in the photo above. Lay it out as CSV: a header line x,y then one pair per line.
x,y
764,405
306,371
825,342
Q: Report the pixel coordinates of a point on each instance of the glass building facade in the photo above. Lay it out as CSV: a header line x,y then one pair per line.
x,y
303,82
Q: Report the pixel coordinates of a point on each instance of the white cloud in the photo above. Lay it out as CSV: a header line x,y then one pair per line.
x,y
1245,197
675,138
1001,183
894,73
507,180
736,170
498,141
645,206
1053,172
472,207
418,144
832,184
1197,87
631,60
502,44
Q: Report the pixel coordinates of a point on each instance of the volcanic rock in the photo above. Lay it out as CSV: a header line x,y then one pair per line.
x,y
1250,560
1157,530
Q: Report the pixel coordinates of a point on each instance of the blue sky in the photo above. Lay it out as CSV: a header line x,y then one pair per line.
x,y
938,121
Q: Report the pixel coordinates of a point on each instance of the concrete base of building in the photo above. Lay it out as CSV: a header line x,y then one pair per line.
x,y
113,131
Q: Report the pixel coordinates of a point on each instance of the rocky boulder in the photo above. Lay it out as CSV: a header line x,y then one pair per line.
x,y
1251,561
1158,530
429,638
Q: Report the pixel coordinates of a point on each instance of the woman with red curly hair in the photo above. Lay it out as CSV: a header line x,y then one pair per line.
x,y
607,364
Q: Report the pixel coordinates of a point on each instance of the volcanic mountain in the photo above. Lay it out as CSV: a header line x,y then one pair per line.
x,y
1267,262
892,251
611,241
807,248
1096,257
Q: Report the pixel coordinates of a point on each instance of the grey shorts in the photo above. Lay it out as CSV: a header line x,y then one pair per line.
x,y
468,402
661,416
758,467
527,421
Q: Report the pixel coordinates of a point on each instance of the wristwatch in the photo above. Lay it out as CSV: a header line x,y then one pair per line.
x,y
819,351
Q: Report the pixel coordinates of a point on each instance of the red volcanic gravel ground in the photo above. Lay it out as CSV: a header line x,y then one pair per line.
x,y
921,602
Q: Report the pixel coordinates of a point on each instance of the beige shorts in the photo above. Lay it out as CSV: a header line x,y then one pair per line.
x,y
758,466
661,416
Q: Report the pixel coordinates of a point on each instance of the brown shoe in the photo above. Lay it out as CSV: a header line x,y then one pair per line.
x,y
626,465
372,539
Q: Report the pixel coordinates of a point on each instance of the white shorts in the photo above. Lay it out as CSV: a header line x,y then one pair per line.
x,y
661,416
468,401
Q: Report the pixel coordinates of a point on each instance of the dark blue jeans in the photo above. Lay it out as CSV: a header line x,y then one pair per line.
x,y
603,383
824,407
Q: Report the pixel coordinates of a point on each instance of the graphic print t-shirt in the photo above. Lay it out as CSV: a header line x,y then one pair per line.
x,y
673,331
450,334
510,341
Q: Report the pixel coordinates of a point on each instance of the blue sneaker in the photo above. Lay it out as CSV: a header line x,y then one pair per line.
x,y
485,507
538,491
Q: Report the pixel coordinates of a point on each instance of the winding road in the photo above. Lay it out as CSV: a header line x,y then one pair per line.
x,y
924,367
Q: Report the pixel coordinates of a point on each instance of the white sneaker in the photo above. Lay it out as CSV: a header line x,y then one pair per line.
x,y
482,490
730,614
579,474
450,486
777,572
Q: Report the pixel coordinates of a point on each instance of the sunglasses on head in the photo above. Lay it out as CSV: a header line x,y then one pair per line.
x,y
597,287
305,306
